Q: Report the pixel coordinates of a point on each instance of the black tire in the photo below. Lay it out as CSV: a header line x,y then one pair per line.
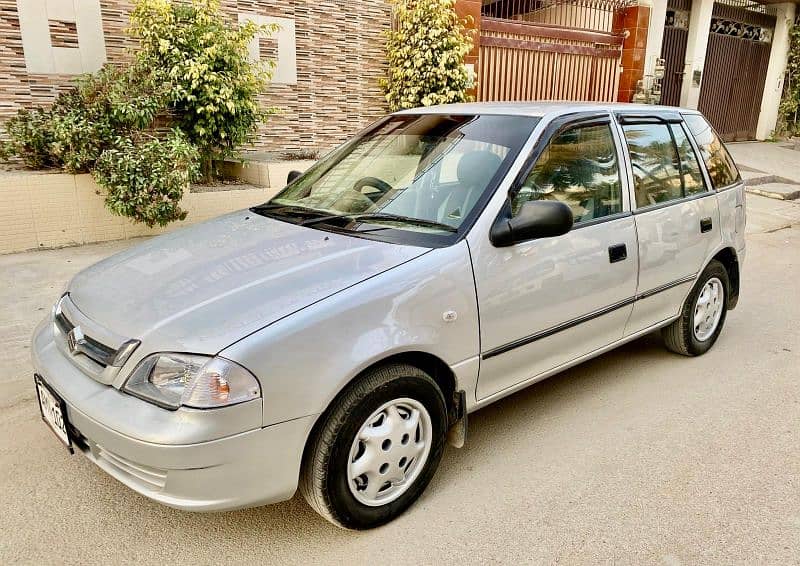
x,y
679,337
323,478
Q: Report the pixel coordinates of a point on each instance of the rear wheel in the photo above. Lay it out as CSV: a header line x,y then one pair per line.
x,y
376,448
703,313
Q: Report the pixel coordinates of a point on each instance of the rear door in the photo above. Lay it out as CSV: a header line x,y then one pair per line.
x,y
676,215
724,177
546,302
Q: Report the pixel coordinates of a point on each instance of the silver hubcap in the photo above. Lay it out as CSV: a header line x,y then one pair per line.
x,y
708,309
389,452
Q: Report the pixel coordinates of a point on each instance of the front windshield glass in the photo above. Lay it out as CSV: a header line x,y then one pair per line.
x,y
420,173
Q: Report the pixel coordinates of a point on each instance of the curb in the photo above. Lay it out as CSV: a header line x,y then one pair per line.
x,y
761,186
766,192
768,179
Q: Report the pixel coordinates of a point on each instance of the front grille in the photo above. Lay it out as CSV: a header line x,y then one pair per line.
x,y
94,350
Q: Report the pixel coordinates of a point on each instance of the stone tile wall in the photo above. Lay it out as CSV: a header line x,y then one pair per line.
x,y
339,58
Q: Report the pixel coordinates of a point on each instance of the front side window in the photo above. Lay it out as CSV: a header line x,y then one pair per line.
x,y
719,163
655,164
579,168
411,173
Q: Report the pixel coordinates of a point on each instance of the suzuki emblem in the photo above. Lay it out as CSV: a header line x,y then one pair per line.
x,y
75,339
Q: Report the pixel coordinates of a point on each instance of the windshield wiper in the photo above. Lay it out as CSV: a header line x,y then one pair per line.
x,y
319,217
367,216
288,210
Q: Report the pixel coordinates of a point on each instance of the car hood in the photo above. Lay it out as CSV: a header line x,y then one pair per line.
x,y
201,288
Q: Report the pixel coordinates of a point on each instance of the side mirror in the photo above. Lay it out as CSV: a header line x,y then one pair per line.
x,y
292,176
536,219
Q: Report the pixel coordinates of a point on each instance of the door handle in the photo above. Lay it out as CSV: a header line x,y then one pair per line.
x,y
617,252
706,225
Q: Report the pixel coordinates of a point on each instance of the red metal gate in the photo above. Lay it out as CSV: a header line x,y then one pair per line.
x,y
735,70
520,61
554,49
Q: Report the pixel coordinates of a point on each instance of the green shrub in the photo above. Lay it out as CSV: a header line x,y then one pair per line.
x,y
30,138
789,118
426,53
204,58
103,107
145,180
80,132
191,72
84,121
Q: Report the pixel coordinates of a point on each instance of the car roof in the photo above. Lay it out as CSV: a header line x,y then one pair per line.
x,y
541,108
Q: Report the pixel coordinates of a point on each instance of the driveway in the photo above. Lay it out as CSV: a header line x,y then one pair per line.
x,y
639,456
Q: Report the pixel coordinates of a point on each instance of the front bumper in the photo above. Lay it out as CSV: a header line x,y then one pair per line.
x,y
187,461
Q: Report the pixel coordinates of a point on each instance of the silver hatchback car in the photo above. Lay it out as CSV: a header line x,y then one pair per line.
x,y
335,337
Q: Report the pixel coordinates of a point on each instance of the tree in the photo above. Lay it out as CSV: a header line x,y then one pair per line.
x,y
425,53
192,46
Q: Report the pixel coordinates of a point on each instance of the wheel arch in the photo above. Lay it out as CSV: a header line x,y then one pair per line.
x,y
730,260
431,364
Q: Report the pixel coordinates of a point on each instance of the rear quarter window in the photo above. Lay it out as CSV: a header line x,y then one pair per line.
x,y
719,163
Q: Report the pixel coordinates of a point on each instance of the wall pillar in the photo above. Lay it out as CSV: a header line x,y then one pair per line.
x,y
655,38
634,22
472,9
696,46
776,68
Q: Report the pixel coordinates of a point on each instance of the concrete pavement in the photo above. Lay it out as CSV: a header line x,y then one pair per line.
x,y
639,456
769,169
770,158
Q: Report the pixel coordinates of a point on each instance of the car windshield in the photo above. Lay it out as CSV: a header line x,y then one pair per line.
x,y
417,173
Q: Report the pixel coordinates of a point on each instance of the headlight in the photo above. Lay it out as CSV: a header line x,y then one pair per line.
x,y
202,382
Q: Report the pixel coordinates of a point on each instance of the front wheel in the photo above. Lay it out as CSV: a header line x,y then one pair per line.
x,y
703,313
376,448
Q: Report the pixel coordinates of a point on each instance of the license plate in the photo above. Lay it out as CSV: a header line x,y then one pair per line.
x,y
53,410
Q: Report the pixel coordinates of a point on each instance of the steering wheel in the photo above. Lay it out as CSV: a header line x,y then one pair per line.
x,y
354,201
382,186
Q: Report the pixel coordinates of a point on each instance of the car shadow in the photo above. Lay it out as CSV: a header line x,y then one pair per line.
x,y
565,389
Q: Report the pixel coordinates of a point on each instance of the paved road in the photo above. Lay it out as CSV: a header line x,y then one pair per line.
x,y
770,158
639,456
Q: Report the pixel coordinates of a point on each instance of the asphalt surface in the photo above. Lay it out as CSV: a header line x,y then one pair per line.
x,y
639,456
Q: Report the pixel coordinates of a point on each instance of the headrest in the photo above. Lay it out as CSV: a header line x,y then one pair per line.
x,y
478,167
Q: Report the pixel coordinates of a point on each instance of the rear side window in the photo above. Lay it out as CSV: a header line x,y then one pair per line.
x,y
693,182
719,163
655,164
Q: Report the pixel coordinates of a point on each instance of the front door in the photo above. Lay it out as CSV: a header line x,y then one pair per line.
x,y
546,302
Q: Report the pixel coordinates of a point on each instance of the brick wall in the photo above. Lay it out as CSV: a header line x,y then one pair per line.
x,y
339,57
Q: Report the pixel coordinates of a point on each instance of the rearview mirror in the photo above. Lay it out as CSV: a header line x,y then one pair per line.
x,y
536,219
292,176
